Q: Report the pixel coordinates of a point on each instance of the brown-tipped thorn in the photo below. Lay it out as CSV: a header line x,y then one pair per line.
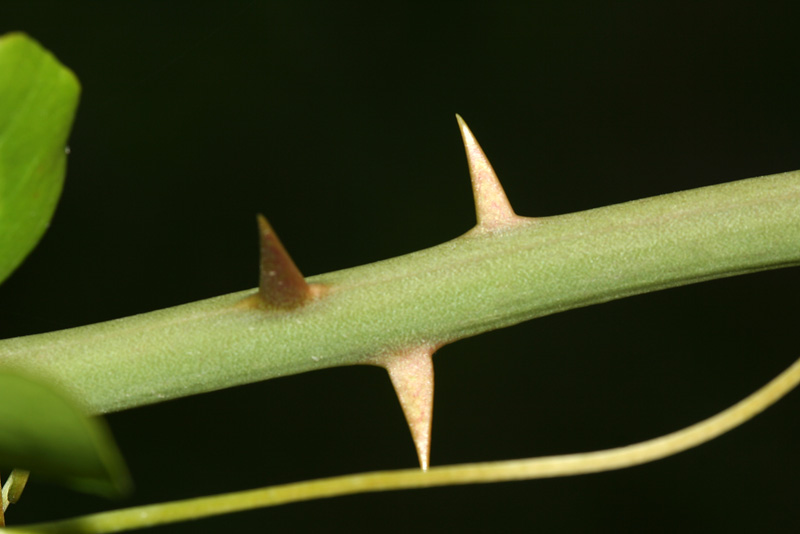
x,y
281,285
491,204
411,373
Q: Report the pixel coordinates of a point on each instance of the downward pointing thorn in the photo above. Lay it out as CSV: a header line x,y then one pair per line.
x,y
411,373
491,204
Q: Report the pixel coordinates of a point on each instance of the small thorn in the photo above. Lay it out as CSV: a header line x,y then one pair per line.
x,y
12,490
411,373
281,285
491,204
3,507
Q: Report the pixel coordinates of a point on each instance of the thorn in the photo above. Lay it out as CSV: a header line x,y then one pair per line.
x,y
3,506
281,285
491,204
12,490
411,373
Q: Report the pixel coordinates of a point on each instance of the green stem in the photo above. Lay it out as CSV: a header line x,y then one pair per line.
x,y
472,284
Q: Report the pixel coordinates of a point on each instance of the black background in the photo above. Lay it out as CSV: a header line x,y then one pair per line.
x,y
336,121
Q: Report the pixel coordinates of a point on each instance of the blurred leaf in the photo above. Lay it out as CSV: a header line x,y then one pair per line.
x,y
43,431
38,97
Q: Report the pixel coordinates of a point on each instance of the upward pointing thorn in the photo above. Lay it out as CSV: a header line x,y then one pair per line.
x,y
281,285
491,204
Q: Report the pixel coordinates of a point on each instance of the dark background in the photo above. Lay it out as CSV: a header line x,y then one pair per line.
x,y
336,121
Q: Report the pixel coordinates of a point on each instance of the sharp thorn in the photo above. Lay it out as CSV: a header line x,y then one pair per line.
x,y
12,490
491,204
3,505
411,373
281,284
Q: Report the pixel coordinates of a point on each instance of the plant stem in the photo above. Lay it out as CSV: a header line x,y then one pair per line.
x,y
472,284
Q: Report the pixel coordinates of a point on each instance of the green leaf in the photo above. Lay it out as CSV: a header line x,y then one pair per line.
x,y
43,431
38,98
